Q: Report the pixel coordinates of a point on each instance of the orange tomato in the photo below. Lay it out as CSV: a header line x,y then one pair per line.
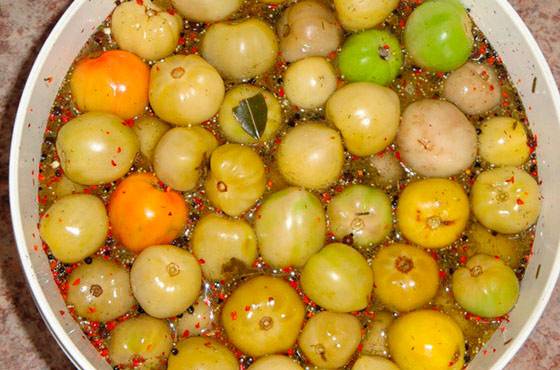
x,y
115,81
142,214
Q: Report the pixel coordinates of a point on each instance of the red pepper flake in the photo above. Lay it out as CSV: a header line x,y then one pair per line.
x,y
332,55
463,260
197,325
110,325
491,87
119,149
491,60
140,2
360,347
113,163
442,274
281,92
201,261
128,122
293,284
181,41
247,308
48,79
291,352
511,180
398,155
105,352
91,309
519,201
194,50
171,11
233,315
76,282
482,49
61,312
326,197
186,333
402,23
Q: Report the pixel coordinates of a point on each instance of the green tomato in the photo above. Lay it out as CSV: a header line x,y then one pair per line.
x,y
338,278
493,244
438,35
275,362
330,339
202,353
149,130
506,200
142,337
374,362
375,341
371,56
219,240
486,286
404,277
290,227
74,227
263,316
363,211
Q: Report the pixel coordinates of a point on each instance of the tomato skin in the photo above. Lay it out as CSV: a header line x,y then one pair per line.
x,y
115,82
142,214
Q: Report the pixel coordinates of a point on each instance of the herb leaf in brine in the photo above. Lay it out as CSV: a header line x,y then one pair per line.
x,y
252,114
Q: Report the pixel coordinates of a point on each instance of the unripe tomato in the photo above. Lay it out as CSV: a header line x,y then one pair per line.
x,y
145,29
96,148
142,214
433,213
275,362
116,81
263,316
237,178
506,200
206,10
357,15
426,340
141,337
374,363
486,286
375,341
329,339
363,211
202,353
219,240
338,278
149,130
185,90
100,291
438,35
503,142
290,227
404,277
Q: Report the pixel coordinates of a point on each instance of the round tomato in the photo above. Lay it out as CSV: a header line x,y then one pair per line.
x,y
115,81
143,214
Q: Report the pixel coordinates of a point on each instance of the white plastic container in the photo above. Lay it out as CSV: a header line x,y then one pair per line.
x,y
497,20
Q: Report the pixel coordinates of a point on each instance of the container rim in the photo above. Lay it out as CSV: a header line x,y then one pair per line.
x,y
46,311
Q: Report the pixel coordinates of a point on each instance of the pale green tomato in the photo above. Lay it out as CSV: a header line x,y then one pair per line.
x,y
310,82
474,88
219,240
185,90
165,280
308,28
65,186
387,171
149,130
237,179
290,227
357,15
311,155
374,363
240,49
363,211
100,291
426,340
330,339
506,248
96,148
74,227
145,29
445,301
202,353
404,277
486,286
275,362
438,35
506,200
142,338
338,278
206,10
231,127
436,139
503,142
196,320
375,341
263,316
181,155
367,115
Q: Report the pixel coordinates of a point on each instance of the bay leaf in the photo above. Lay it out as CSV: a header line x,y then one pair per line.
x,y
252,114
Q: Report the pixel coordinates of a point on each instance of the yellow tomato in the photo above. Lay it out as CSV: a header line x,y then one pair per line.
x,y
142,214
426,340
433,213
115,81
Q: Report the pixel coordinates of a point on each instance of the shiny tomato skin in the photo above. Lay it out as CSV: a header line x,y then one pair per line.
x,y
115,81
143,214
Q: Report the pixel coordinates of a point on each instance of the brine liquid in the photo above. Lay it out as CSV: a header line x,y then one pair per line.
x,y
413,84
